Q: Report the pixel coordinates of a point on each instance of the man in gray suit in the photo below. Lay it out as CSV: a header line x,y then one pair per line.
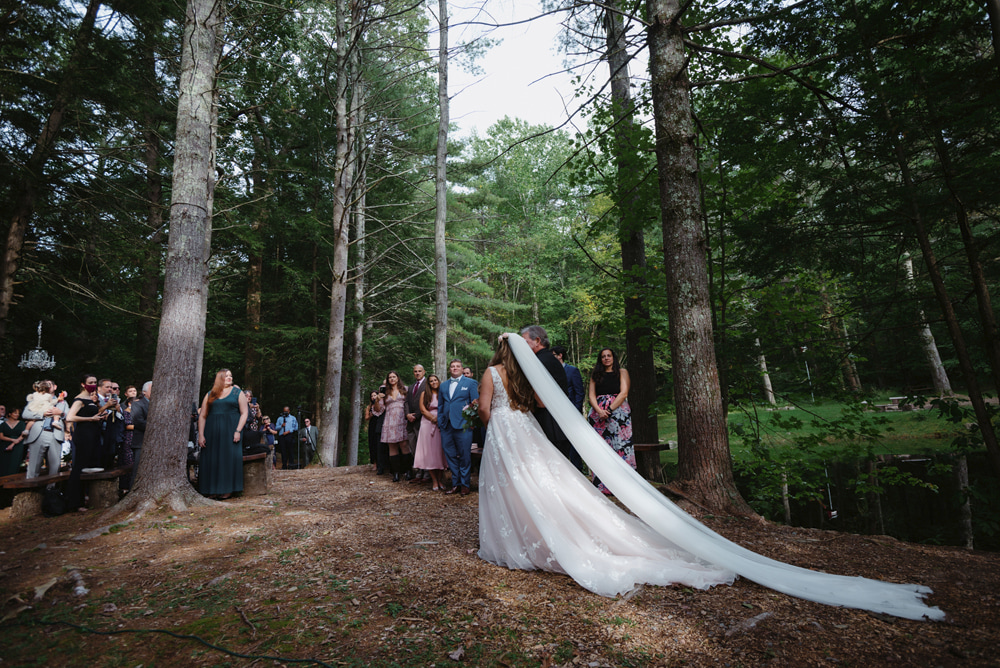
x,y
140,415
308,439
46,436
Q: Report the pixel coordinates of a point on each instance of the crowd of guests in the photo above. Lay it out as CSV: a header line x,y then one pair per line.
x,y
100,427
425,431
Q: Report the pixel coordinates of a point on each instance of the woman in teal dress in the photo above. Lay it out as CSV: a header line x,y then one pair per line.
x,y
11,442
220,425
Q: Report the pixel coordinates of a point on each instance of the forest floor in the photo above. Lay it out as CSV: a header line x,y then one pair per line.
x,y
343,567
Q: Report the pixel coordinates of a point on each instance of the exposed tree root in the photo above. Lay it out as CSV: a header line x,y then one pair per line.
x,y
178,498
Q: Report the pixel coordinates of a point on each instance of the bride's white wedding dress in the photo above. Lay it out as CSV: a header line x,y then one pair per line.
x,y
536,511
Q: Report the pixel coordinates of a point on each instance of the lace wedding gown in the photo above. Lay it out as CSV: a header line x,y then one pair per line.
x,y
536,511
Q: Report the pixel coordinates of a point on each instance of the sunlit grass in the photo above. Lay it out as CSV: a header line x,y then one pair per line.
x,y
902,432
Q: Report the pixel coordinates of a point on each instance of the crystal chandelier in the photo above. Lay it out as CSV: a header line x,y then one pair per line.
x,y
38,358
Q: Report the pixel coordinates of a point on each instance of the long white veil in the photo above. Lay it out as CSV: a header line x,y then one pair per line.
x,y
900,600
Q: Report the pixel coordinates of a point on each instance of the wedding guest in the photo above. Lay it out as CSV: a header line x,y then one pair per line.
x,y
610,415
308,440
394,426
287,426
12,435
44,435
140,417
86,418
252,432
413,418
378,453
269,433
220,429
126,455
430,455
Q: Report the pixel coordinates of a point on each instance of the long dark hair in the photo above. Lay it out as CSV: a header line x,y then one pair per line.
x,y
519,390
598,371
425,394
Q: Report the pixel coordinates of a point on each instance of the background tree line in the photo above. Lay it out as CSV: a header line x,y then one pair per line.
x,y
844,195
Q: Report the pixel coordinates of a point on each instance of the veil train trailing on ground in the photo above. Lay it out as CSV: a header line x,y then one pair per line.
x,y
900,600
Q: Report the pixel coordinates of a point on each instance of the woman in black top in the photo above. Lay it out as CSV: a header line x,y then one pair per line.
x,y
85,416
610,414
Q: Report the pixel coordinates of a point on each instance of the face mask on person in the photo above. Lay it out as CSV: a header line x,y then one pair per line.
x,y
90,388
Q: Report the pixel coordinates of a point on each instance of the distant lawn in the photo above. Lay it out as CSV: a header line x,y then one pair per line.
x,y
913,432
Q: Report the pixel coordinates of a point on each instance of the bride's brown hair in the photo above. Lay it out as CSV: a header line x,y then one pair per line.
x,y
519,390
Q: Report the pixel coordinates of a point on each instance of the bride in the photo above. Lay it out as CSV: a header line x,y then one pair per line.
x,y
536,511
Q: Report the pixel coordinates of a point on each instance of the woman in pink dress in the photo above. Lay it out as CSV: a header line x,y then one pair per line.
x,y
394,425
430,454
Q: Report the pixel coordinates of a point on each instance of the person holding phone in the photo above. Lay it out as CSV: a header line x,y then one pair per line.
x,y
86,418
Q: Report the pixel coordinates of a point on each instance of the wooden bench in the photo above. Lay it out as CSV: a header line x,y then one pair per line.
x,y
101,487
258,474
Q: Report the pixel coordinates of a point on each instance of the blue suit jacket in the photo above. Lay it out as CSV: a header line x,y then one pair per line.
x,y
575,385
450,408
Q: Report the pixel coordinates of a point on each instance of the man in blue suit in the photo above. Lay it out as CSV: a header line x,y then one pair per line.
x,y
574,386
456,438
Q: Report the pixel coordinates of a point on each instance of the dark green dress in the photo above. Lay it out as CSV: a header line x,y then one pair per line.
x,y
10,460
220,466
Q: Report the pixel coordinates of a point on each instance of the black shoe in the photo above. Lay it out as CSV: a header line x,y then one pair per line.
x,y
395,477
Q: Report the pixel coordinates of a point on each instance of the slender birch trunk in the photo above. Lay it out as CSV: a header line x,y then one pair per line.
x,y
939,377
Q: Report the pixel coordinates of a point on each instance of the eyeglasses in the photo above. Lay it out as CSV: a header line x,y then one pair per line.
x,y
114,389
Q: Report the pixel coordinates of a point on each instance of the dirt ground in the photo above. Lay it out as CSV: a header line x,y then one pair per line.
x,y
343,567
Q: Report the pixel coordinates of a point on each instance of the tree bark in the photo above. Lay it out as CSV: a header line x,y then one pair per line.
x,y
162,472
939,377
765,377
441,202
704,465
638,333
329,430
357,412
26,191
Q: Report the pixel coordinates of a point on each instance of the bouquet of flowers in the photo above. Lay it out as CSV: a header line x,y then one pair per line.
x,y
471,415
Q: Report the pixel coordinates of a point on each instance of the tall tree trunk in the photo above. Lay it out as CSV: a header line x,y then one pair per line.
x,y
638,333
149,288
357,411
939,377
27,189
441,201
162,470
330,426
260,173
704,465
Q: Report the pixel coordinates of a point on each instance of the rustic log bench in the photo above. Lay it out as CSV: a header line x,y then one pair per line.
x,y
258,474
101,487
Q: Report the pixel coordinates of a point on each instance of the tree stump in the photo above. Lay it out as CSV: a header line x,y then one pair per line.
x,y
258,474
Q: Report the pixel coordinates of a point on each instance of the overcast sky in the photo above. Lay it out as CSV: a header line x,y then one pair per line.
x,y
514,81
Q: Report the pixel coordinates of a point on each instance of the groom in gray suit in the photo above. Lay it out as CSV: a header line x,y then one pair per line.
x,y
456,438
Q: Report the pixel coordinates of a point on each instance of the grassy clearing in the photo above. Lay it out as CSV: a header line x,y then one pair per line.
x,y
903,432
